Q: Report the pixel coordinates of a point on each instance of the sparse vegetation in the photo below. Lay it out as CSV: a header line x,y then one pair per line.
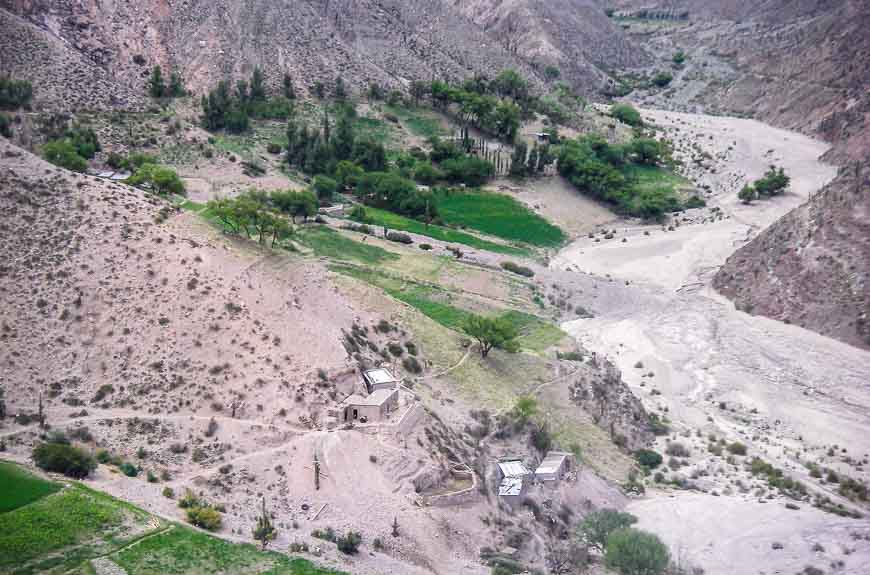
x,y
63,458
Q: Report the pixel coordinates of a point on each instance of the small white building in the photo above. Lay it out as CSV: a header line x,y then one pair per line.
x,y
375,407
379,378
554,466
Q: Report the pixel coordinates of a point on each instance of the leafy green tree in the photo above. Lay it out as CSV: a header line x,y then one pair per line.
x,y
348,174
340,91
319,89
370,155
774,182
598,525
156,84
627,114
647,151
5,126
634,552
679,57
525,408
205,518
491,332
427,174
257,89
325,188
176,85
160,179
342,143
518,159
469,170
63,153
662,79
419,89
63,458
85,141
14,94
747,193
648,458
264,531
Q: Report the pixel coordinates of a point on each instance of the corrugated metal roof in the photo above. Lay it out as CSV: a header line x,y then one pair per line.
x,y
513,468
510,486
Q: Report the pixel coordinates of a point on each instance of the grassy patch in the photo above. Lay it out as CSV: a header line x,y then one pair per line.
x,y
536,334
326,242
420,122
61,530
373,129
19,488
182,551
655,179
498,215
396,222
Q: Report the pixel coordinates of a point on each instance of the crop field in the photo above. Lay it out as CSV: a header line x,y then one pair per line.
x,y
393,221
498,215
420,122
181,551
536,334
327,242
19,488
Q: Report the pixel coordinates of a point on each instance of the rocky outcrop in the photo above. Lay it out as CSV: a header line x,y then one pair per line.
x,y
812,267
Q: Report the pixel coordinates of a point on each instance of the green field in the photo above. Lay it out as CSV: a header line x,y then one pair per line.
x,y
654,178
420,122
19,488
58,529
373,129
182,551
498,215
536,334
393,221
327,242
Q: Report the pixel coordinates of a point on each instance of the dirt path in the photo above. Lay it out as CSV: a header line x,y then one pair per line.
x,y
778,388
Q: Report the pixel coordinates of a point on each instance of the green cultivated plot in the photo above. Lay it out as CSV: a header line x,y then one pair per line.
x,y
498,215
19,488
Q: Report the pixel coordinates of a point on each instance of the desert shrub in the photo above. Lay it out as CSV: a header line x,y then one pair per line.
x,y
658,425
662,79
598,525
63,153
327,534
679,57
426,247
400,238
189,501
627,114
273,148
168,492
411,365
103,456
737,448
349,543
517,269
395,349
634,552
129,469
541,438
648,458
677,449
205,518
63,458
695,202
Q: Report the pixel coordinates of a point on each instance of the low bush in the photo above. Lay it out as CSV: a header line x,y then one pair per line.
x,y
63,458
129,469
648,458
205,518
400,238
627,114
737,448
349,543
518,269
634,552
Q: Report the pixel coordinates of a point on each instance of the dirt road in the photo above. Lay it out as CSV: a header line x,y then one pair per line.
x,y
782,390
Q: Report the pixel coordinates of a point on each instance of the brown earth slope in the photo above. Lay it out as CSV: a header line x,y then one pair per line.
x,y
390,42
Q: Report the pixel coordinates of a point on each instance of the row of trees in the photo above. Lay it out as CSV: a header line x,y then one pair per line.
x,y
525,162
263,216
228,108
158,88
475,105
598,168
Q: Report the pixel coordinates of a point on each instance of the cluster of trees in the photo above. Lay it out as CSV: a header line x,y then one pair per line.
x,y
230,109
263,216
527,163
158,88
160,179
627,114
596,167
627,550
495,107
73,149
14,94
773,183
58,456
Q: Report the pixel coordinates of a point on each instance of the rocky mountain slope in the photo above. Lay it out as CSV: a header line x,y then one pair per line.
x,y
93,54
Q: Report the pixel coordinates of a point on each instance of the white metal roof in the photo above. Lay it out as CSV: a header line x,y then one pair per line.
x,y
513,468
551,463
510,486
379,375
